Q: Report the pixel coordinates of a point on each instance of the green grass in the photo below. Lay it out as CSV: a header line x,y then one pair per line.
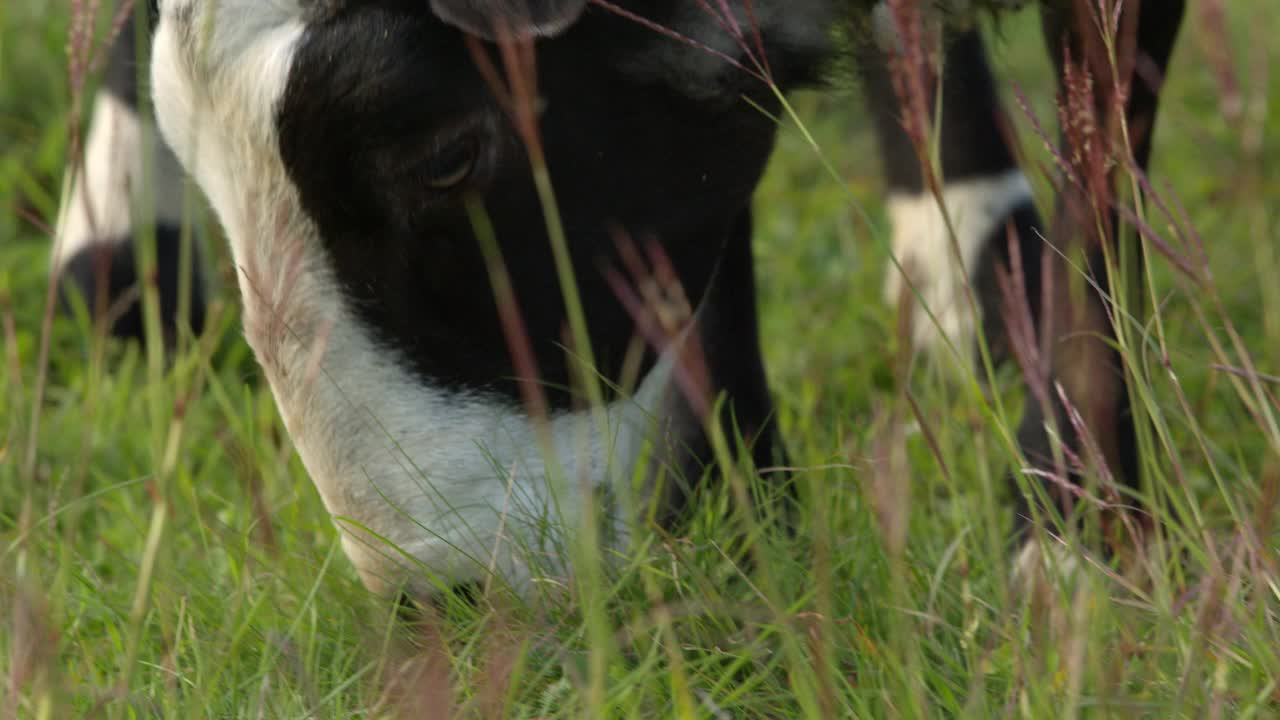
x,y
166,555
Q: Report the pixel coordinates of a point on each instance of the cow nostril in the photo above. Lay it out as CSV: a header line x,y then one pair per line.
x,y
466,594
414,608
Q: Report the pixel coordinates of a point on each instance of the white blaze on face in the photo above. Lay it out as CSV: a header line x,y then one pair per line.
x,y
922,244
415,476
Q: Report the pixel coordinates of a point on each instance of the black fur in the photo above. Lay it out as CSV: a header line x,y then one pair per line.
x,y
626,155
120,78
972,142
113,262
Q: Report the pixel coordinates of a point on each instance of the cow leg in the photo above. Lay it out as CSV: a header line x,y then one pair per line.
x,y
1082,357
97,225
727,358
985,193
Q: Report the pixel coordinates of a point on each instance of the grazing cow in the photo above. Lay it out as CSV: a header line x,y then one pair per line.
x,y
383,171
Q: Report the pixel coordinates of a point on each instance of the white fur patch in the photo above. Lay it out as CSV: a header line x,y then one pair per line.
x,y
413,474
922,245
1036,562
98,200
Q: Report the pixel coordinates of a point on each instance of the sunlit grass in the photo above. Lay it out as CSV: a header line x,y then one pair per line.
x,y
251,610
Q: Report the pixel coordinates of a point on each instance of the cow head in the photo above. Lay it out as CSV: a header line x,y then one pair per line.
x,y
347,148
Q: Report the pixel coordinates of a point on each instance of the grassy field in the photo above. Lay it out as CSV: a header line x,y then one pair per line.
x,y
162,553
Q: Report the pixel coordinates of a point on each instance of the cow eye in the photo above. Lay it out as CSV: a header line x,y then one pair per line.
x,y
452,163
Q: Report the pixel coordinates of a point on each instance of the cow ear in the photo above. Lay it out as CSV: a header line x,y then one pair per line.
x,y
522,18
